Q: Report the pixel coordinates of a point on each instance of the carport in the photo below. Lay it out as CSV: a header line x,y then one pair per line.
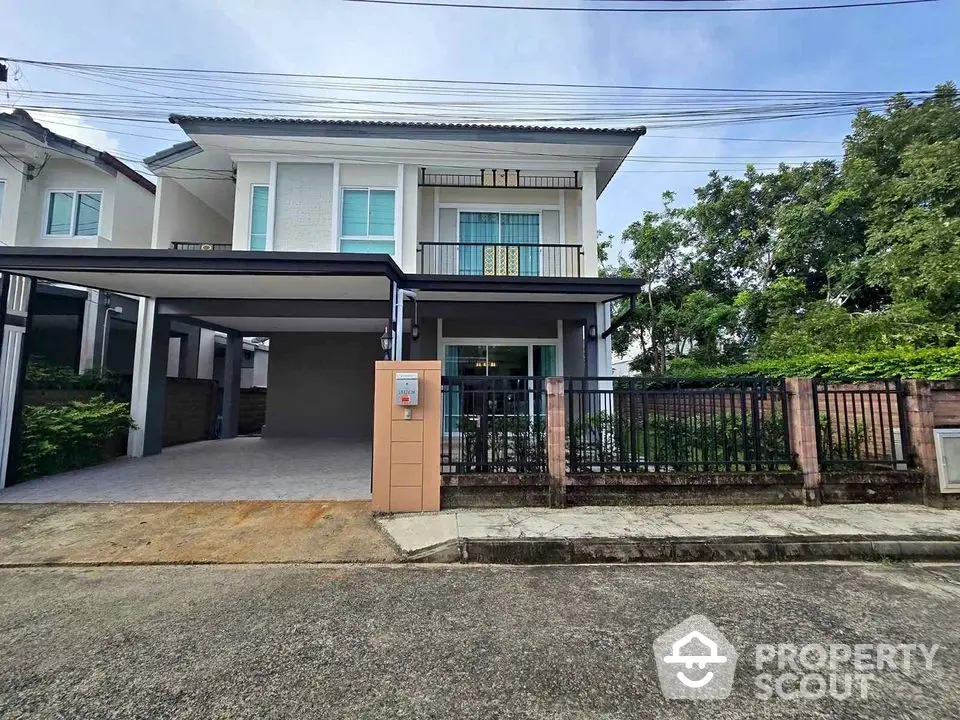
x,y
324,314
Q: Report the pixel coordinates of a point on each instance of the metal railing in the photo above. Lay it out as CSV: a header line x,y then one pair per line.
x,y
511,179
629,425
500,259
860,424
208,246
493,425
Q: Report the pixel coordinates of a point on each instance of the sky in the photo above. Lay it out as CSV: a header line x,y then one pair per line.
x,y
910,47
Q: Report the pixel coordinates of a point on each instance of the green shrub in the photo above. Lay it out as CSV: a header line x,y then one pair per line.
x,y
66,437
924,363
42,376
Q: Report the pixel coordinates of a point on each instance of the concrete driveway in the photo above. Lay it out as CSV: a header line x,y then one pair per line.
x,y
358,642
246,468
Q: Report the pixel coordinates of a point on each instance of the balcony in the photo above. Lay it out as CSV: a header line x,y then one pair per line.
x,y
207,246
512,179
500,259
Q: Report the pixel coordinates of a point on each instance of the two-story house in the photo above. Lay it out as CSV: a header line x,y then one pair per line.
x,y
341,241
57,192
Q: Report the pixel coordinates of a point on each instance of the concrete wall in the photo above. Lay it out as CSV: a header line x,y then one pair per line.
x,y
182,217
321,384
303,207
132,215
13,183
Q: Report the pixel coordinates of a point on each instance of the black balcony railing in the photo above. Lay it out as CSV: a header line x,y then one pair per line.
x,y
208,246
511,179
500,259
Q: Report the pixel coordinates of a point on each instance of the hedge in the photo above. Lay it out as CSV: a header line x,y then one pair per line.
x,y
66,437
925,363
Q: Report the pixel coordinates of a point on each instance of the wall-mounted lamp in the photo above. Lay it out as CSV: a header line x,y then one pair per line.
x,y
592,332
415,331
386,342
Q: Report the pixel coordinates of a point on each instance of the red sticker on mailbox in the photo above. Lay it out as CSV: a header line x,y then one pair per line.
x,y
404,398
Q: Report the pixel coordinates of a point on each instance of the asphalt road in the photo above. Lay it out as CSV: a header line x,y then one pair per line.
x,y
449,642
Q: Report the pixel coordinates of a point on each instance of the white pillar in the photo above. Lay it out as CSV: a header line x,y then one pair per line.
x,y
91,328
588,223
604,346
149,380
15,326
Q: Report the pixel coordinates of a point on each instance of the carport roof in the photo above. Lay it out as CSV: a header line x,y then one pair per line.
x,y
284,275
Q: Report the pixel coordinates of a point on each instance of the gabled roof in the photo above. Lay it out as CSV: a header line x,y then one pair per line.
x,y
21,121
417,130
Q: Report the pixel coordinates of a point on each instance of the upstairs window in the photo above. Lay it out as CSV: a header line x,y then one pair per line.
x,y
259,201
71,213
367,220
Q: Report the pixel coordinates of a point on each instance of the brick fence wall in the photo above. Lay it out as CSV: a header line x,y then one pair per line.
x,y
190,410
253,410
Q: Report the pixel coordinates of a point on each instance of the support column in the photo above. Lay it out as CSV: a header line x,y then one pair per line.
x,y
16,302
556,441
588,222
232,360
149,390
190,353
922,449
803,437
94,331
205,354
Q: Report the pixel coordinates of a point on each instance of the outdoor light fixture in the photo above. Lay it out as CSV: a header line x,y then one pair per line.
x,y
592,332
386,342
415,331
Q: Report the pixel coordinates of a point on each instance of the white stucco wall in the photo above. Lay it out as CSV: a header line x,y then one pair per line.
x,y
248,174
365,176
126,210
132,214
183,217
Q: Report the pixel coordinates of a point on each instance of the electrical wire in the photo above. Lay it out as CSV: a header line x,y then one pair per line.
x,y
565,8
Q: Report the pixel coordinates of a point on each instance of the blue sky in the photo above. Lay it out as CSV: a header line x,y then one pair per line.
x,y
907,47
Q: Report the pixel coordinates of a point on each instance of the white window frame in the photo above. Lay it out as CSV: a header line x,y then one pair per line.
x,y
3,191
76,193
369,238
268,242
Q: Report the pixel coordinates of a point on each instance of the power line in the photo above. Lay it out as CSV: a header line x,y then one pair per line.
x,y
554,8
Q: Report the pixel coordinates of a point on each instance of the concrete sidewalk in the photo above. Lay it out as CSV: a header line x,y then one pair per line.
x,y
672,534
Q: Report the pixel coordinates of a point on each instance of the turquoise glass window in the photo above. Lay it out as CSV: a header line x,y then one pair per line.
x,y
259,202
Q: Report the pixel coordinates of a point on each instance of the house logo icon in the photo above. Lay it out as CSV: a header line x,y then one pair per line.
x,y
695,661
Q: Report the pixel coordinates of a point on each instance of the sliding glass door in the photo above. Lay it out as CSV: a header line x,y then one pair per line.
x,y
494,243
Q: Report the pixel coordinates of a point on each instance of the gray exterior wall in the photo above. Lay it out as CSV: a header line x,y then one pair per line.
x,y
321,385
508,320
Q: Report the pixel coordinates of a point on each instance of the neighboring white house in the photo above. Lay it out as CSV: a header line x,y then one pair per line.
x,y
56,192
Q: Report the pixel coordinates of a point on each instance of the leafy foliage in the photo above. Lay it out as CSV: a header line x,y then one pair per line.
x,y
43,376
817,258
928,363
65,437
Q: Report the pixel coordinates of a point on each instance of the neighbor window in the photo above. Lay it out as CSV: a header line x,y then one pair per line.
x,y
73,214
367,220
259,200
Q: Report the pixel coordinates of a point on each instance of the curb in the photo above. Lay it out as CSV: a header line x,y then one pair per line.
x,y
553,551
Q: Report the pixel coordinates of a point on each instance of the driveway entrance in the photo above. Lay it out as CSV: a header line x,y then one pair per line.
x,y
245,468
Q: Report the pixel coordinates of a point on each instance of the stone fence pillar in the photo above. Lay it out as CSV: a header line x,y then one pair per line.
x,y
802,424
921,448
556,441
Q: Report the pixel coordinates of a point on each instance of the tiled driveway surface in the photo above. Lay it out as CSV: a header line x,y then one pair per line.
x,y
247,468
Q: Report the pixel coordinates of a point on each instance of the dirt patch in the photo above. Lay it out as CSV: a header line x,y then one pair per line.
x,y
196,532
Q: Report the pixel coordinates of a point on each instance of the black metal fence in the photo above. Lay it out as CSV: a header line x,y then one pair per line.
x,y
208,246
500,259
493,425
860,424
634,425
